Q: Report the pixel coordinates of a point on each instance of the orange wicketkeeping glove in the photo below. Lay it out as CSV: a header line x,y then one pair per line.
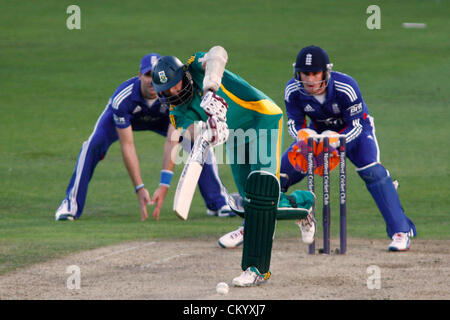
x,y
299,153
333,160
298,156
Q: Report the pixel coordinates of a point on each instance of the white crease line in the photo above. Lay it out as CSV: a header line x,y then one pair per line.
x,y
121,251
163,260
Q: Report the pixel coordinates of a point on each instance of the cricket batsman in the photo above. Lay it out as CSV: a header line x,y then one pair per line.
x,y
332,101
251,124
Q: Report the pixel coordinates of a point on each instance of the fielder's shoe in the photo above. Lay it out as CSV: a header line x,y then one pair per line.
x,y
401,242
225,211
251,277
308,228
232,239
63,212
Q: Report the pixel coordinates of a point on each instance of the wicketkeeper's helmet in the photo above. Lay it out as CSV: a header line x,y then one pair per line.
x,y
166,73
312,59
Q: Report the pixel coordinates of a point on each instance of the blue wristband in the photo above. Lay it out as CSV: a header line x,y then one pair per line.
x,y
138,187
166,177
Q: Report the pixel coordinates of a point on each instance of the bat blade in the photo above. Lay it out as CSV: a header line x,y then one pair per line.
x,y
186,189
189,178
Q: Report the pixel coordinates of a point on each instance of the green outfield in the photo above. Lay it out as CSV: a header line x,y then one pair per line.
x,y
55,82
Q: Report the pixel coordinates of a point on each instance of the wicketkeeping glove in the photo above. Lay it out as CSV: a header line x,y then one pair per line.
x,y
298,154
333,160
333,139
216,132
214,105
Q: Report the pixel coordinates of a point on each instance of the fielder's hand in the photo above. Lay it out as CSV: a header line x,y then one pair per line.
x,y
158,200
216,132
144,199
214,105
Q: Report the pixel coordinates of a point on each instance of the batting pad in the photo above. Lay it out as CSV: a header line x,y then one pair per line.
x,y
262,192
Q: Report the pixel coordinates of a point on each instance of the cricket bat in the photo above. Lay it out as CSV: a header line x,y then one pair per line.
x,y
189,178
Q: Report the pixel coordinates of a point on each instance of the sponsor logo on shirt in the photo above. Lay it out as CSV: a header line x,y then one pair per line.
x,y
119,120
148,118
355,109
332,122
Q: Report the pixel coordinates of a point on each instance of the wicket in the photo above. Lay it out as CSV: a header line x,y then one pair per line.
x,y
326,221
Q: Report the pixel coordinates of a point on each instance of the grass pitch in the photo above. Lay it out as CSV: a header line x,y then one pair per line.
x,y
55,83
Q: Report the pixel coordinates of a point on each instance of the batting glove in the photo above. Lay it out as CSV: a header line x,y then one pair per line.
x,y
216,132
214,105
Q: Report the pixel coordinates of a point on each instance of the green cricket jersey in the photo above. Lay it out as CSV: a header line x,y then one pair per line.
x,y
248,107
249,110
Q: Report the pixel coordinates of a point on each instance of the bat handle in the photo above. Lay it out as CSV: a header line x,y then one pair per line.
x,y
199,150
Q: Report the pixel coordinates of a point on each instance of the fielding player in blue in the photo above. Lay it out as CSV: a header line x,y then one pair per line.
x,y
135,106
333,101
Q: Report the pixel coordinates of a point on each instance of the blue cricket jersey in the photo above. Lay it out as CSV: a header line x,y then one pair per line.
x,y
130,108
343,110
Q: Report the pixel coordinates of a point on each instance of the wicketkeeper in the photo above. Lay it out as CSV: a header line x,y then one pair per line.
x,y
333,101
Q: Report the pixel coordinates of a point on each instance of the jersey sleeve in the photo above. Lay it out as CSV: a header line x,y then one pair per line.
x,y
121,115
196,69
180,121
354,109
296,116
183,116
354,104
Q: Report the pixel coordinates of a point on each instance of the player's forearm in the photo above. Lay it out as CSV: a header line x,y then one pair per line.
x,y
170,148
170,151
214,64
129,155
131,161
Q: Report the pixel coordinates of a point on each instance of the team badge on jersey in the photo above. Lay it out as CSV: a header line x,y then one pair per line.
x,y
335,108
162,76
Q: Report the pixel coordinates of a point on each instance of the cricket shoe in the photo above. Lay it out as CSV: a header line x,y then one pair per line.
x,y
64,212
223,212
400,242
308,228
251,277
232,239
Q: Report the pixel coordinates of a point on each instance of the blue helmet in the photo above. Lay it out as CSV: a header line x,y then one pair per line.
x,y
166,73
312,59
